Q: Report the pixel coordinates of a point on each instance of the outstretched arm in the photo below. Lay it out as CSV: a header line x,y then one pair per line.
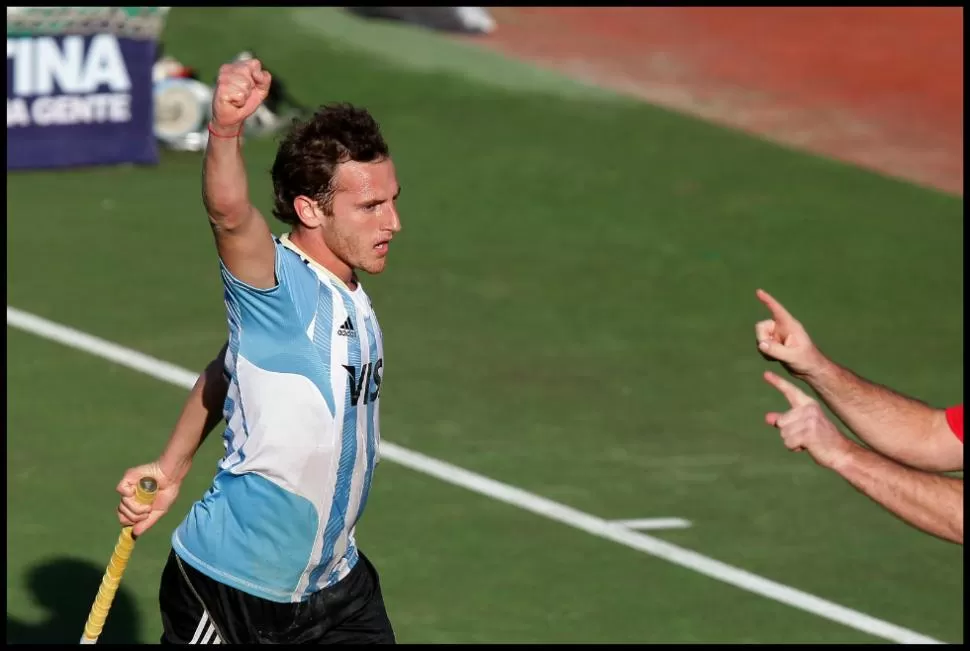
x,y
931,502
900,428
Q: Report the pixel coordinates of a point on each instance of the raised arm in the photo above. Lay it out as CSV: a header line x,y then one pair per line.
x,y
200,414
898,427
243,238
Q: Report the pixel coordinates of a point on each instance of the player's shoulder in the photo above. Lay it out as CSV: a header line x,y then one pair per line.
x,y
294,265
287,254
296,258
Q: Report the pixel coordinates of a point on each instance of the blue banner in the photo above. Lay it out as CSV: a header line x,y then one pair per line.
x,y
76,100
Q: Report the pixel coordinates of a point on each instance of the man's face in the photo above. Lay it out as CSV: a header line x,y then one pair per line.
x,y
363,216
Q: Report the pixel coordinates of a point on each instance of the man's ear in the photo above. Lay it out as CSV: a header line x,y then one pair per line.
x,y
308,210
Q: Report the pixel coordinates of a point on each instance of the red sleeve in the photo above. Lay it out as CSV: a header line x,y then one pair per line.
x,y
954,416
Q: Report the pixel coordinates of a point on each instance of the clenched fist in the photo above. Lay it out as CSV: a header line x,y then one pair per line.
x,y
240,88
805,426
783,338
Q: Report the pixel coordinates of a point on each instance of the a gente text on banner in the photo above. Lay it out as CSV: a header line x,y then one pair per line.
x,y
79,100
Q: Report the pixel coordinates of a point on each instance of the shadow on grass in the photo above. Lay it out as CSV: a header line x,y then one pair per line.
x,y
65,589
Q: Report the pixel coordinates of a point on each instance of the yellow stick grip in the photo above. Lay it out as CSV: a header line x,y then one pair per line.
x,y
144,494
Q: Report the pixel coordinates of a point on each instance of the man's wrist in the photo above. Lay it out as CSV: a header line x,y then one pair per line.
x,y
175,467
229,132
843,461
819,371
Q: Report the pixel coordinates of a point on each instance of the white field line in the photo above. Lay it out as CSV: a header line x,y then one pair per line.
x,y
509,494
653,524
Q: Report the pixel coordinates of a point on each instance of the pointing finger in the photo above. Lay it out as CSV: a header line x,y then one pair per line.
x,y
796,397
778,311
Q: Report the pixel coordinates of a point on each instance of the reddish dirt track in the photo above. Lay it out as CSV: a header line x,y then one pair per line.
x,y
878,87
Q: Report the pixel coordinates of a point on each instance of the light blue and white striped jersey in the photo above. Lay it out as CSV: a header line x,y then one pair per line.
x,y
305,362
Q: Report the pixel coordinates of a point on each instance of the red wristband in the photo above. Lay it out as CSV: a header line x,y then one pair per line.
x,y
219,135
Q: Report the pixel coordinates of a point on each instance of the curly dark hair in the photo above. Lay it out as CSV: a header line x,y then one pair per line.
x,y
307,159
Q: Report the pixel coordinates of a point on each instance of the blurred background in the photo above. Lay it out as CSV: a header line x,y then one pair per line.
x,y
593,195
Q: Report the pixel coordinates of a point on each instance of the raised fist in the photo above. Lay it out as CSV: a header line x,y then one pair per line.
x,y
240,88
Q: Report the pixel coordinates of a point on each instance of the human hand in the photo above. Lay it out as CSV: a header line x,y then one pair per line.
x,y
240,88
139,516
806,428
782,338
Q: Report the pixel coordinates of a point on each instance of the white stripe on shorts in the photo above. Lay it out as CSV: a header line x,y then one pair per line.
x,y
200,628
205,632
210,631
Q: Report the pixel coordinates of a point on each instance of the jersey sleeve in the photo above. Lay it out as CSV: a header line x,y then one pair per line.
x,y
275,309
954,417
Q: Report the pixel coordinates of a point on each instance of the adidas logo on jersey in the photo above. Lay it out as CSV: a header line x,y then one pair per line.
x,y
347,329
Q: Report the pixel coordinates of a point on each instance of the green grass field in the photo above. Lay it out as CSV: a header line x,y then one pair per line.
x,y
569,309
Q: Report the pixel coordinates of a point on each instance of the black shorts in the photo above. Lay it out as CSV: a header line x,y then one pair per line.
x,y
199,610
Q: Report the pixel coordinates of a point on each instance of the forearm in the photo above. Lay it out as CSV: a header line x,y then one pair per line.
x,y
891,423
225,188
201,413
932,503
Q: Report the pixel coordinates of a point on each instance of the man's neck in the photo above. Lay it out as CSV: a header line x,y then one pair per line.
x,y
323,256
